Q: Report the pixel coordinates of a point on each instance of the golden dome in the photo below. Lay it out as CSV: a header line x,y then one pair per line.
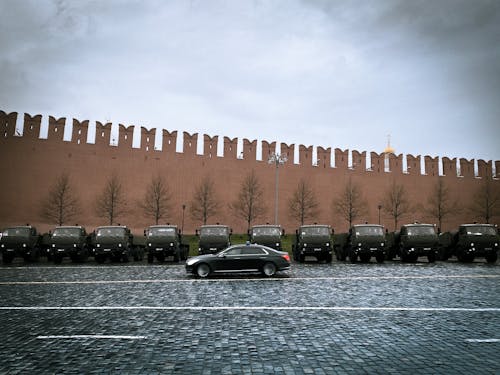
x,y
389,149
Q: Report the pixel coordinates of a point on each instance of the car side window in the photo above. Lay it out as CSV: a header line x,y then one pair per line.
x,y
253,251
235,251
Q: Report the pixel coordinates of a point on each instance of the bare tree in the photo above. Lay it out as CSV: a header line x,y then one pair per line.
x,y
156,201
440,204
303,204
62,203
204,203
350,203
395,202
486,202
110,204
249,205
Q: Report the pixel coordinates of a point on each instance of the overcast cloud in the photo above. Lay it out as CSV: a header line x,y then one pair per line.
x,y
315,72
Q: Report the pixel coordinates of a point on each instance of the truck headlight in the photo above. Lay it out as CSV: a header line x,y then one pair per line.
x,y
119,245
382,244
24,245
359,244
277,243
74,245
496,244
171,244
472,243
305,245
98,245
3,245
53,245
328,244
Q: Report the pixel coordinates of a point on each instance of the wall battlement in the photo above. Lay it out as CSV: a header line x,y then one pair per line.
x,y
30,128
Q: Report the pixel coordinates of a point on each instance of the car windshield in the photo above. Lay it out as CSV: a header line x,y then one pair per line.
x,y
214,231
19,232
315,231
421,231
162,231
481,230
66,232
369,231
111,232
266,231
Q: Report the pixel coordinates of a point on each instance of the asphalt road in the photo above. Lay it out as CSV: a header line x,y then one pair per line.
x,y
315,319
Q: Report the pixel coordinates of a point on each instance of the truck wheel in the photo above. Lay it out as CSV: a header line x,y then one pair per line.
x,y
203,270
57,259
431,257
380,258
491,258
302,258
176,257
150,258
328,258
353,258
125,258
269,269
160,257
365,258
99,259
7,258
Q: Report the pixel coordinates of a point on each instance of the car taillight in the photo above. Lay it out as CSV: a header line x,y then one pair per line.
x,y
286,257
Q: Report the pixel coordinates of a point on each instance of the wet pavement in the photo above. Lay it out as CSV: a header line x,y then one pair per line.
x,y
314,319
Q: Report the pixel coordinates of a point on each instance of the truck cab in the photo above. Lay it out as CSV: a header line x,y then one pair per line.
x,y
365,241
112,242
21,241
163,241
267,235
476,240
69,241
415,240
213,238
313,240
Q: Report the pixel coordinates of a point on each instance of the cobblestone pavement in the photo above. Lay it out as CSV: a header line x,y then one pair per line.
x,y
314,319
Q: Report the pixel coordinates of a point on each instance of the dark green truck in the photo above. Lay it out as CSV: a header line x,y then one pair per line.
x,y
267,235
164,241
313,240
213,238
476,240
22,241
416,240
69,241
363,242
116,243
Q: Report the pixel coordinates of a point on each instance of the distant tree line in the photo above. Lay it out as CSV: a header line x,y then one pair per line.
x,y
61,204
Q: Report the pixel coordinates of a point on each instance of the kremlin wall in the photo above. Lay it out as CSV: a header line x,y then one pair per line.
x,y
30,166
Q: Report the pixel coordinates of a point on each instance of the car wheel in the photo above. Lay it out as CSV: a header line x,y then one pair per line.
x,y
203,270
491,258
269,269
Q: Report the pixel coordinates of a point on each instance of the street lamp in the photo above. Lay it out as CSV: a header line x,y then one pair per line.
x,y
277,160
183,209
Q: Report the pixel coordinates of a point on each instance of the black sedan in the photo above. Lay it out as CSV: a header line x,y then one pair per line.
x,y
240,258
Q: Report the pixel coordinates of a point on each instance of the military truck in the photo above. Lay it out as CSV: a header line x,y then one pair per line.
x,y
116,243
364,241
21,241
213,238
415,240
268,235
69,241
476,240
163,241
313,240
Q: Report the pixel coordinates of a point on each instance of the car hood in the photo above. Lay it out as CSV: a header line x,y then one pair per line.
x,y
199,258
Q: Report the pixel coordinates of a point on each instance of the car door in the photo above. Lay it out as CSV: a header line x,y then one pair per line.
x,y
253,257
229,260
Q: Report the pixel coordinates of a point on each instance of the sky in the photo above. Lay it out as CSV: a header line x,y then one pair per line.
x,y
330,73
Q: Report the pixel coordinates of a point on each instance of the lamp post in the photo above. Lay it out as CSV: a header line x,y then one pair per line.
x,y
277,160
183,209
379,208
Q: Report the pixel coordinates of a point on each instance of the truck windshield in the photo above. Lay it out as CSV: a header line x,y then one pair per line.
x,y
315,231
421,231
266,231
161,231
18,232
66,232
111,232
369,231
214,231
481,230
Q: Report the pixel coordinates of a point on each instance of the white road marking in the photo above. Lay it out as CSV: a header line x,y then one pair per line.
x,y
253,308
187,280
106,337
482,340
